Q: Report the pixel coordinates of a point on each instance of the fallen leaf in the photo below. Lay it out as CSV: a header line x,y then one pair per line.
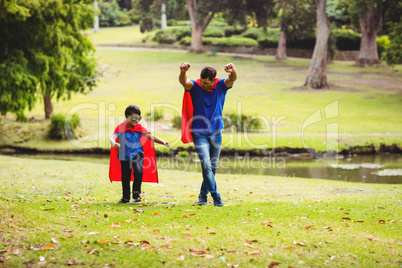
x,y
290,248
299,244
105,215
167,246
47,247
156,231
333,257
180,257
185,216
92,251
15,251
93,233
115,225
273,264
129,221
191,195
309,227
209,256
156,213
55,240
68,231
256,252
100,241
348,219
248,245
381,221
145,242
187,235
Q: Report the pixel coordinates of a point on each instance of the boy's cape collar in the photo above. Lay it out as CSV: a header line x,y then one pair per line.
x,y
150,171
198,82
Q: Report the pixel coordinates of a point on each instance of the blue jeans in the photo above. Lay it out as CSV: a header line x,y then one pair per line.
x,y
208,148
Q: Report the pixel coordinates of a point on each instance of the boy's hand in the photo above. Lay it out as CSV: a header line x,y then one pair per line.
x,y
185,66
116,145
166,143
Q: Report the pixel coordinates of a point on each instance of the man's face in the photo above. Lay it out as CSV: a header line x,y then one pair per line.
x,y
133,119
206,83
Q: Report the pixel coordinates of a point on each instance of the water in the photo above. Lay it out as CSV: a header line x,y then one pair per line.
x,y
384,168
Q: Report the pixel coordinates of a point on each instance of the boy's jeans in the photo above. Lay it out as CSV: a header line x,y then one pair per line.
x,y
136,166
208,148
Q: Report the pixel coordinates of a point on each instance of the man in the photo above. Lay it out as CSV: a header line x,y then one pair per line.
x,y
202,116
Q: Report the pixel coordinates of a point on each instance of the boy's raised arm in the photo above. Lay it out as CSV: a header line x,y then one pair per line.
x,y
186,83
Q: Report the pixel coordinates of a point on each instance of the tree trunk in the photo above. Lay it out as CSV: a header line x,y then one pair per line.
x,y
198,26
369,24
281,51
47,100
317,73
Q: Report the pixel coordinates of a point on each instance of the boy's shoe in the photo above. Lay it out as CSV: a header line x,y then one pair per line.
x,y
218,202
123,201
202,200
136,199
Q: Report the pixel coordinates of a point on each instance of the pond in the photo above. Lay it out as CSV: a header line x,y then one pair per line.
x,y
383,168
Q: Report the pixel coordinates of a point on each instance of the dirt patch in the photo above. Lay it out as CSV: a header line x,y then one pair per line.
x,y
331,87
377,83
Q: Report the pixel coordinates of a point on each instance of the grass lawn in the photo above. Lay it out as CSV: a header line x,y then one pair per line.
x,y
363,105
68,215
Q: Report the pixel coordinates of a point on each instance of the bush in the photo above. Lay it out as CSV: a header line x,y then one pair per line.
x,y
180,32
347,39
254,33
382,44
158,115
233,30
393,54
241,122
135,15
125,19
176,121
214,32
164,37
186,41
60,129
109,14
183,154
233,41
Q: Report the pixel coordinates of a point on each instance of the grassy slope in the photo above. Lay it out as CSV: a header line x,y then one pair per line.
x,y
265,88
290,220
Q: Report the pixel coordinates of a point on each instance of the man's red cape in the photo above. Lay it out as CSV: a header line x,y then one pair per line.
x,y
150,170
187,113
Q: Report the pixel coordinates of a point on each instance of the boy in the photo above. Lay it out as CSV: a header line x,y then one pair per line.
x,y
132,144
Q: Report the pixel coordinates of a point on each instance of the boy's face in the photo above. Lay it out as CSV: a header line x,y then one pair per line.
x,y
133,119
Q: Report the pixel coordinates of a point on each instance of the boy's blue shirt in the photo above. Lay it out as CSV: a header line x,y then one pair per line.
x,y
130,145
208,105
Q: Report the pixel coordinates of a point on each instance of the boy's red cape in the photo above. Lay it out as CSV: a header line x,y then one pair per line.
x,y
150,170
187,113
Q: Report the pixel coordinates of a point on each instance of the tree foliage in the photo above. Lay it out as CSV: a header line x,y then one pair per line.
x,y
43,51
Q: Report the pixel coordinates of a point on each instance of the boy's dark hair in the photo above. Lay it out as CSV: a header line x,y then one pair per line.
x,y
208,72
132,109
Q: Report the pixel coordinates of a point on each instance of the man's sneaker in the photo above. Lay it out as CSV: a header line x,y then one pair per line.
x,y
123,201
218,202
202,200
136,199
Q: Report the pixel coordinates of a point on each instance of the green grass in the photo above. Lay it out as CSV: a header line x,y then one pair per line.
x,y
294,221
366,101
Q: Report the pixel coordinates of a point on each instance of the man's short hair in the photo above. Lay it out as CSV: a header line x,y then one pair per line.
x,y
208,72
132,109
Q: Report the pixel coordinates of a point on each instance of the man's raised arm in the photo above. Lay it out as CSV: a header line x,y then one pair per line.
x,y
186,83
230,68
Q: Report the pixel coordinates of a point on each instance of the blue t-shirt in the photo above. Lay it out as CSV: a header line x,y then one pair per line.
x,y
208,107
130,145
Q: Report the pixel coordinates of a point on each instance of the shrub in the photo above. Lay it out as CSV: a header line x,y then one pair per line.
x,y
393,54
233,30
214,32
164,37
186,41
135,15
183,154
109,14
125,19
241,122
382,44
233,41
254,33
60,129
176,121
158,115
347,39
181,32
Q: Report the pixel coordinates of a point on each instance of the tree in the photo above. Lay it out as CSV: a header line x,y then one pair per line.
x,y
370,21
43,52
317,73
296,22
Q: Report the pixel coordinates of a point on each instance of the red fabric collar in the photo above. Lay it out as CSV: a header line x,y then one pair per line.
x,y
198,82
124,127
